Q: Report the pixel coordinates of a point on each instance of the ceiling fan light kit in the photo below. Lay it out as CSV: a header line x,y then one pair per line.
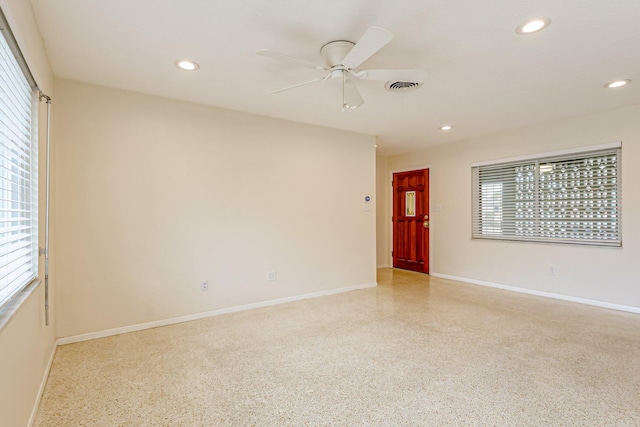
x,y
342,57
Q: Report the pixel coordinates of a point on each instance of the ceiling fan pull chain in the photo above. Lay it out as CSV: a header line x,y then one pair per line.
x,y
344,104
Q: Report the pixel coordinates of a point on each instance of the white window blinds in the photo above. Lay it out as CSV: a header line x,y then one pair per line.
x,y
563,199
18,177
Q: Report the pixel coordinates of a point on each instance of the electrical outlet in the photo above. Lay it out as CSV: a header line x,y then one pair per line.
x,y
204,285
271,276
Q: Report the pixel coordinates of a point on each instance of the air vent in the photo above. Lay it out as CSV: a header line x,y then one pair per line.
x,y
401,86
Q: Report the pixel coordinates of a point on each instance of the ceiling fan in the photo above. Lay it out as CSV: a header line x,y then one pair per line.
x,y
344,57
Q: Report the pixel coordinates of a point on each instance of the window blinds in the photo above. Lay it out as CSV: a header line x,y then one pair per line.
x,y
18,177
565,199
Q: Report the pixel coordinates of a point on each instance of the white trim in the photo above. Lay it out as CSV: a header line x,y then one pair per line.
x,y
603,304
578,150
384,266
197,316
43,384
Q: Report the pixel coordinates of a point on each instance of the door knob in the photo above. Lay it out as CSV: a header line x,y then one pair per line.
x,y
425,224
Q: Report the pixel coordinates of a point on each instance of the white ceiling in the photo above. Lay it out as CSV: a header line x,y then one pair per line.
x,y
483,77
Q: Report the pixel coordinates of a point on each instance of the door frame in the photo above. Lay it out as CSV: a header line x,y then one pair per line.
x,y
390,211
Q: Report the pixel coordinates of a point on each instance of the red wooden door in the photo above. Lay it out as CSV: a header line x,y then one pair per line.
x,y
411,220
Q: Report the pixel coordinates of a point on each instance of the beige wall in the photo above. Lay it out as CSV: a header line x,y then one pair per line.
x,y
26,344
154,196
383,227
602,274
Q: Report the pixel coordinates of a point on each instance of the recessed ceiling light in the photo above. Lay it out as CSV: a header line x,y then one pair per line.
x,y
617,83
533,26
446,127
185,64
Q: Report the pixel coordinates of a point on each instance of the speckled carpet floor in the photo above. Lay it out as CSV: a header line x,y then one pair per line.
x,y
415,351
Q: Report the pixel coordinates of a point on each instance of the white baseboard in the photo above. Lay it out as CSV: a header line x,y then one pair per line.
x,y
384,266
570,298
45,377
197,316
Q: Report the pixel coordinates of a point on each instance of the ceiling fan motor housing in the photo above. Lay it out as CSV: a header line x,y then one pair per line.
x,y
334,52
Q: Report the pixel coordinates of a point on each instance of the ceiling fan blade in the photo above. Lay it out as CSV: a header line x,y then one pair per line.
x,y
302,84
416,76
373,40
288,58
350,96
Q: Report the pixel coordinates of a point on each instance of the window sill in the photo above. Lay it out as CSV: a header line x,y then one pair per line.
x,y
9,309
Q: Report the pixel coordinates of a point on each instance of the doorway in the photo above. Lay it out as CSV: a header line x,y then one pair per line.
x,y
411,220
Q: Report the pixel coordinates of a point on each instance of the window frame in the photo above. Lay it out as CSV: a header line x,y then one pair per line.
x,y
29,195
538,233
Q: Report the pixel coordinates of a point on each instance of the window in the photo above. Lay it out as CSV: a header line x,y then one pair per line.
x,y
18,173
571,198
